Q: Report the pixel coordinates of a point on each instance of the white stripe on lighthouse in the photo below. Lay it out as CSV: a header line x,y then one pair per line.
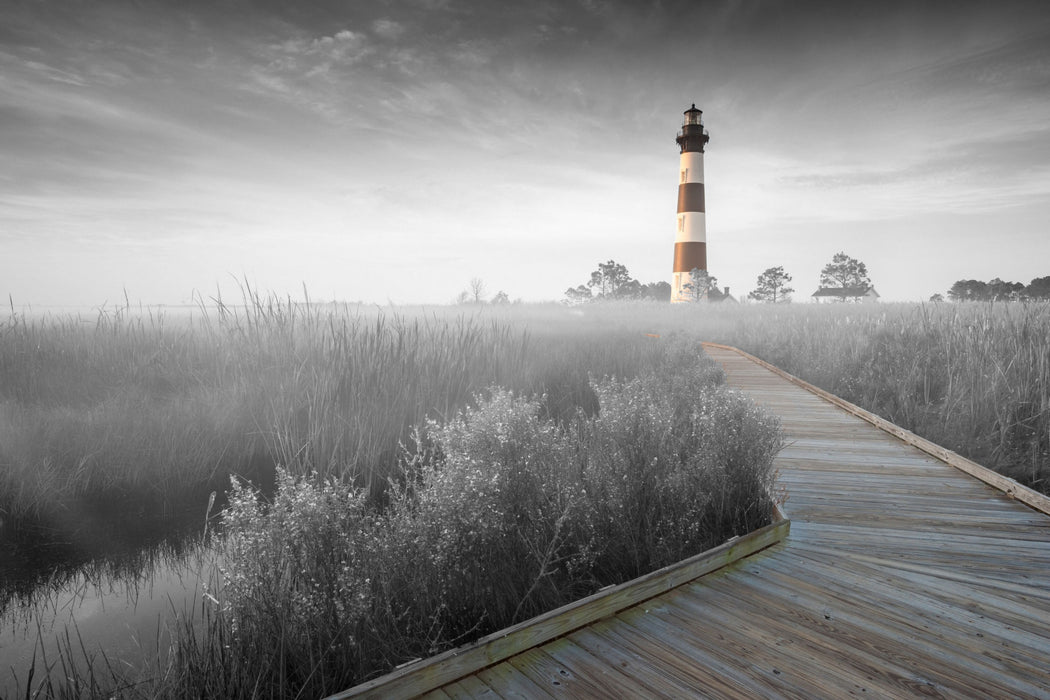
x,y
692,221
692,226
691,167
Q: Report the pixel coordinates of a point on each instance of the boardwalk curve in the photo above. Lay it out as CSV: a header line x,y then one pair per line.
x,y
902,576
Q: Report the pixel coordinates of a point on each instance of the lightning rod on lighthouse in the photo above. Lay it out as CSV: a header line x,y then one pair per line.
x,y
690,243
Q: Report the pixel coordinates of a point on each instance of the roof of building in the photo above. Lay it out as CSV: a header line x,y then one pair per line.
x,y
846,292
717,295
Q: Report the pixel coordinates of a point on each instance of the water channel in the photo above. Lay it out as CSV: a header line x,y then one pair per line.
x,y
115,604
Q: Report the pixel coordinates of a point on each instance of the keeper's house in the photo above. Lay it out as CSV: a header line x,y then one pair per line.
x,y
863,295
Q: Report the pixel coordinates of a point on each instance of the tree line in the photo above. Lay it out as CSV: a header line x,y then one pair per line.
x,y
997,290
611,281
845,274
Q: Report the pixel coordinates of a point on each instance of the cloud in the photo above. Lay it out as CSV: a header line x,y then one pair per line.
x,y
343,46
310,71
388,29
55,74
267,83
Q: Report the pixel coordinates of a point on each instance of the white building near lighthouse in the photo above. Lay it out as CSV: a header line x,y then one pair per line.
x,y
690,243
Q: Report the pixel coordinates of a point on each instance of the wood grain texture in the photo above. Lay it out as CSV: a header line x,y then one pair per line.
x,y
903,576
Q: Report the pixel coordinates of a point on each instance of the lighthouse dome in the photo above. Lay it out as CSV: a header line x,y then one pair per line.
x,y
692,116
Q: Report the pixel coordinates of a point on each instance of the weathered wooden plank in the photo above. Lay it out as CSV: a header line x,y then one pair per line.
x,y
511,683
732,657
472,688
901,623
555,677
828,658
710,670
658,681
436,694
992,616
885,659
596,671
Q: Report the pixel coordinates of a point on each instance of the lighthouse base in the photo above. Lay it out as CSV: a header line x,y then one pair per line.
x,y
680,294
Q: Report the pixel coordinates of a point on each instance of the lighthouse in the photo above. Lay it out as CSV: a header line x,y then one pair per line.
x,y
690,241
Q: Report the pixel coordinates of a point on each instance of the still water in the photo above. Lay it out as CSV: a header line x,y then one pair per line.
x,y
117,607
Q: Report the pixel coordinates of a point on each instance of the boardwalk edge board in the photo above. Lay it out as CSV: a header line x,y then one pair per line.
x,y
1011,488
419,677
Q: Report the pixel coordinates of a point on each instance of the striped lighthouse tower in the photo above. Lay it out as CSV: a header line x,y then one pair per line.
x,y
690,242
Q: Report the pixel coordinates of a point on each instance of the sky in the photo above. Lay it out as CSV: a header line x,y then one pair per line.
x,y
389,151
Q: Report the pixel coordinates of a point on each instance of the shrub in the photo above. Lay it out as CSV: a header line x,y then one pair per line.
x,y
675,464
500,513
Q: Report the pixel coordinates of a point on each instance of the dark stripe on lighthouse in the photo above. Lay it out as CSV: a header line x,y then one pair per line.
x,y
689,254
691,197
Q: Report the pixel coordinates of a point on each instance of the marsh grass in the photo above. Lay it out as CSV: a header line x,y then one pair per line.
x,y
127,421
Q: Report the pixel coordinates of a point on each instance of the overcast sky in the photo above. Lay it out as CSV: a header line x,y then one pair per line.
x,y
391,151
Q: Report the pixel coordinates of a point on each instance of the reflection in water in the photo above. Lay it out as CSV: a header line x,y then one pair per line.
x,y
116,612
103,581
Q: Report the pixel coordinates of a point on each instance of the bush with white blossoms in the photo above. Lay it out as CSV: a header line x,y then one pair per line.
x,y
295,574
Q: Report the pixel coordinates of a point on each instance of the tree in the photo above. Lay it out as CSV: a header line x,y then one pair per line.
x,y
846,273
937,298
1004,291
501,298
631,289
611,281
969,290
1039,288
578,295
700,283
477,290
998,290
772,286
656,291
608,280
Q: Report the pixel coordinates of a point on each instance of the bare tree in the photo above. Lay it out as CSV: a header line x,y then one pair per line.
x,y
477,290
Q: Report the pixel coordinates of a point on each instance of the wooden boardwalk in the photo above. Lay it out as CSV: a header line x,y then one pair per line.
x,y
902,576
